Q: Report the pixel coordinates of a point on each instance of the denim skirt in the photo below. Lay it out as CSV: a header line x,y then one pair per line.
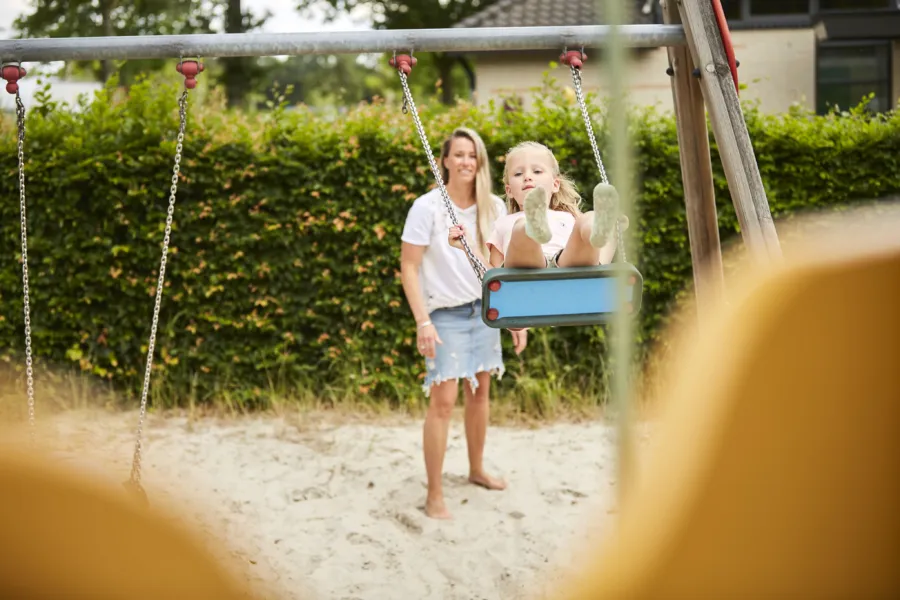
x,y
469,347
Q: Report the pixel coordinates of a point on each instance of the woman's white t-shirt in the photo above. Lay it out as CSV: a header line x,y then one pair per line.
x,y
446,277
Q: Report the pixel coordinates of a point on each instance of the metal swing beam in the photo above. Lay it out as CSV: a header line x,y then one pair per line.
x,y
702,69
341,42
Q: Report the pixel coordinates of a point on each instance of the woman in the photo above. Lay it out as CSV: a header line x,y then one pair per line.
x,y
444,295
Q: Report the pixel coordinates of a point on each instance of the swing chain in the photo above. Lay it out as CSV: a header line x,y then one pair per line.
x,y
477,265
579,94
29,369
136,464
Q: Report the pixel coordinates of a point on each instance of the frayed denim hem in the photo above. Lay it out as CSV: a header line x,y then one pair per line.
x,y
468,347
439,378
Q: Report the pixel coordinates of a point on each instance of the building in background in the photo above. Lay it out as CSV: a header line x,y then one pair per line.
x,y
813,53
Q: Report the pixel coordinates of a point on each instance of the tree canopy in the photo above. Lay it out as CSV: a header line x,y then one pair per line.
x,y
414,14
90,18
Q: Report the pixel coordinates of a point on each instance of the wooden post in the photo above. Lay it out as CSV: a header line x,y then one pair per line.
x,y
696,175
730,129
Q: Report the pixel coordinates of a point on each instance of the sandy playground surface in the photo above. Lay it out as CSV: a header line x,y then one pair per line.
x,y
315,508
318,508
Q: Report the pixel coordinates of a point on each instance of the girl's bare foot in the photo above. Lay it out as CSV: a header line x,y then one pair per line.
x,y
537,225
486,481
606,211
436,509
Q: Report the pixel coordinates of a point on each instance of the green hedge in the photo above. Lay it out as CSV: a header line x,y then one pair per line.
x,y
284,278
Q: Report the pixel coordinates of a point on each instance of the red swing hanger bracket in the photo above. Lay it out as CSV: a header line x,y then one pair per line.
x,y
12,73
190,68
573,58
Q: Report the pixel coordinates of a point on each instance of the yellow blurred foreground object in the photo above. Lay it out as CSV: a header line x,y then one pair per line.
x,y
775,472
68,537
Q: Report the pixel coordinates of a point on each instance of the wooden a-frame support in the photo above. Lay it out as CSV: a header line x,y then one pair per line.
x,y
715,89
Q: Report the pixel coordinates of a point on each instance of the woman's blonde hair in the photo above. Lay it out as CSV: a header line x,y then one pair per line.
x,y
566,199
485,209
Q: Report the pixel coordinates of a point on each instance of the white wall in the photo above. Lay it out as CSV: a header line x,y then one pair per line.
x,y
778,66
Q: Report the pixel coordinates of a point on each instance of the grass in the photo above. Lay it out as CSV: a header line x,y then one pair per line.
x,y
520,398
525,401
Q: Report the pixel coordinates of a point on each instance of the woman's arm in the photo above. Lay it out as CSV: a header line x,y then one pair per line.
x,y
457,232
426,334
410,261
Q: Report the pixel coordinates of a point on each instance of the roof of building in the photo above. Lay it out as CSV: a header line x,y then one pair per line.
x,y
544,13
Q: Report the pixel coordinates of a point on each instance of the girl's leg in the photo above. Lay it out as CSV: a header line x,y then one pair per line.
x,y
523,252
434,443
529,233
593,240
579,252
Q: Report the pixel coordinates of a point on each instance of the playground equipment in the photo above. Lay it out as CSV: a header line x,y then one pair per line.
x,y
703,72
541,297
778,485
12,73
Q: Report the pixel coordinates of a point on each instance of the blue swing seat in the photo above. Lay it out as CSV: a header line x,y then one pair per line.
x,y
515,298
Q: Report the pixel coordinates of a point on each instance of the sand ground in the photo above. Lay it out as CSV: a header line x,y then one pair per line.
x,y
316,507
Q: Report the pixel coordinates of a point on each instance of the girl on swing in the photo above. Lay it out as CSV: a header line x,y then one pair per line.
x,y
544,227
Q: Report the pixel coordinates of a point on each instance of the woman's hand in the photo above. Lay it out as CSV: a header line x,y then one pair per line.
x,y
426,339
520,339
457,232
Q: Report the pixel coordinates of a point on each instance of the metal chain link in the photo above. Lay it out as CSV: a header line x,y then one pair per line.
x,y
579,94
29,368
136,464
576,79
409,104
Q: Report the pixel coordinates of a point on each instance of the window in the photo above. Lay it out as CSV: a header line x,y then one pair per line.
x,y
732,9
854,4
778,7
846,73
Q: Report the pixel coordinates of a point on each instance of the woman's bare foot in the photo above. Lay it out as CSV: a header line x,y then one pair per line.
x,y
436,509
486,481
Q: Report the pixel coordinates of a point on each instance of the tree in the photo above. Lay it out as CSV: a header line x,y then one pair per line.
x,y
85,18
89,18
413,14
241,73
324,80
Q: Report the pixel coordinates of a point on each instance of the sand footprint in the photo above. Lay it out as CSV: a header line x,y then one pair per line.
x,y
311,493
408,522
359,539
563,496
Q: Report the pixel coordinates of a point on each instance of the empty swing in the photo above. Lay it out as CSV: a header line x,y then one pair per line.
x,y
12,73
190,69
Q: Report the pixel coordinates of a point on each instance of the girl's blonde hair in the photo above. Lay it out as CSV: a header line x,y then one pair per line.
x,y
566,199
485,209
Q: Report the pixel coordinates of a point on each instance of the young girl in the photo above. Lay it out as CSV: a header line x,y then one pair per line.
x,y
544,227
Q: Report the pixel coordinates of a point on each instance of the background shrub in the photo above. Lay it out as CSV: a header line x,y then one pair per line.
x,y
284,273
